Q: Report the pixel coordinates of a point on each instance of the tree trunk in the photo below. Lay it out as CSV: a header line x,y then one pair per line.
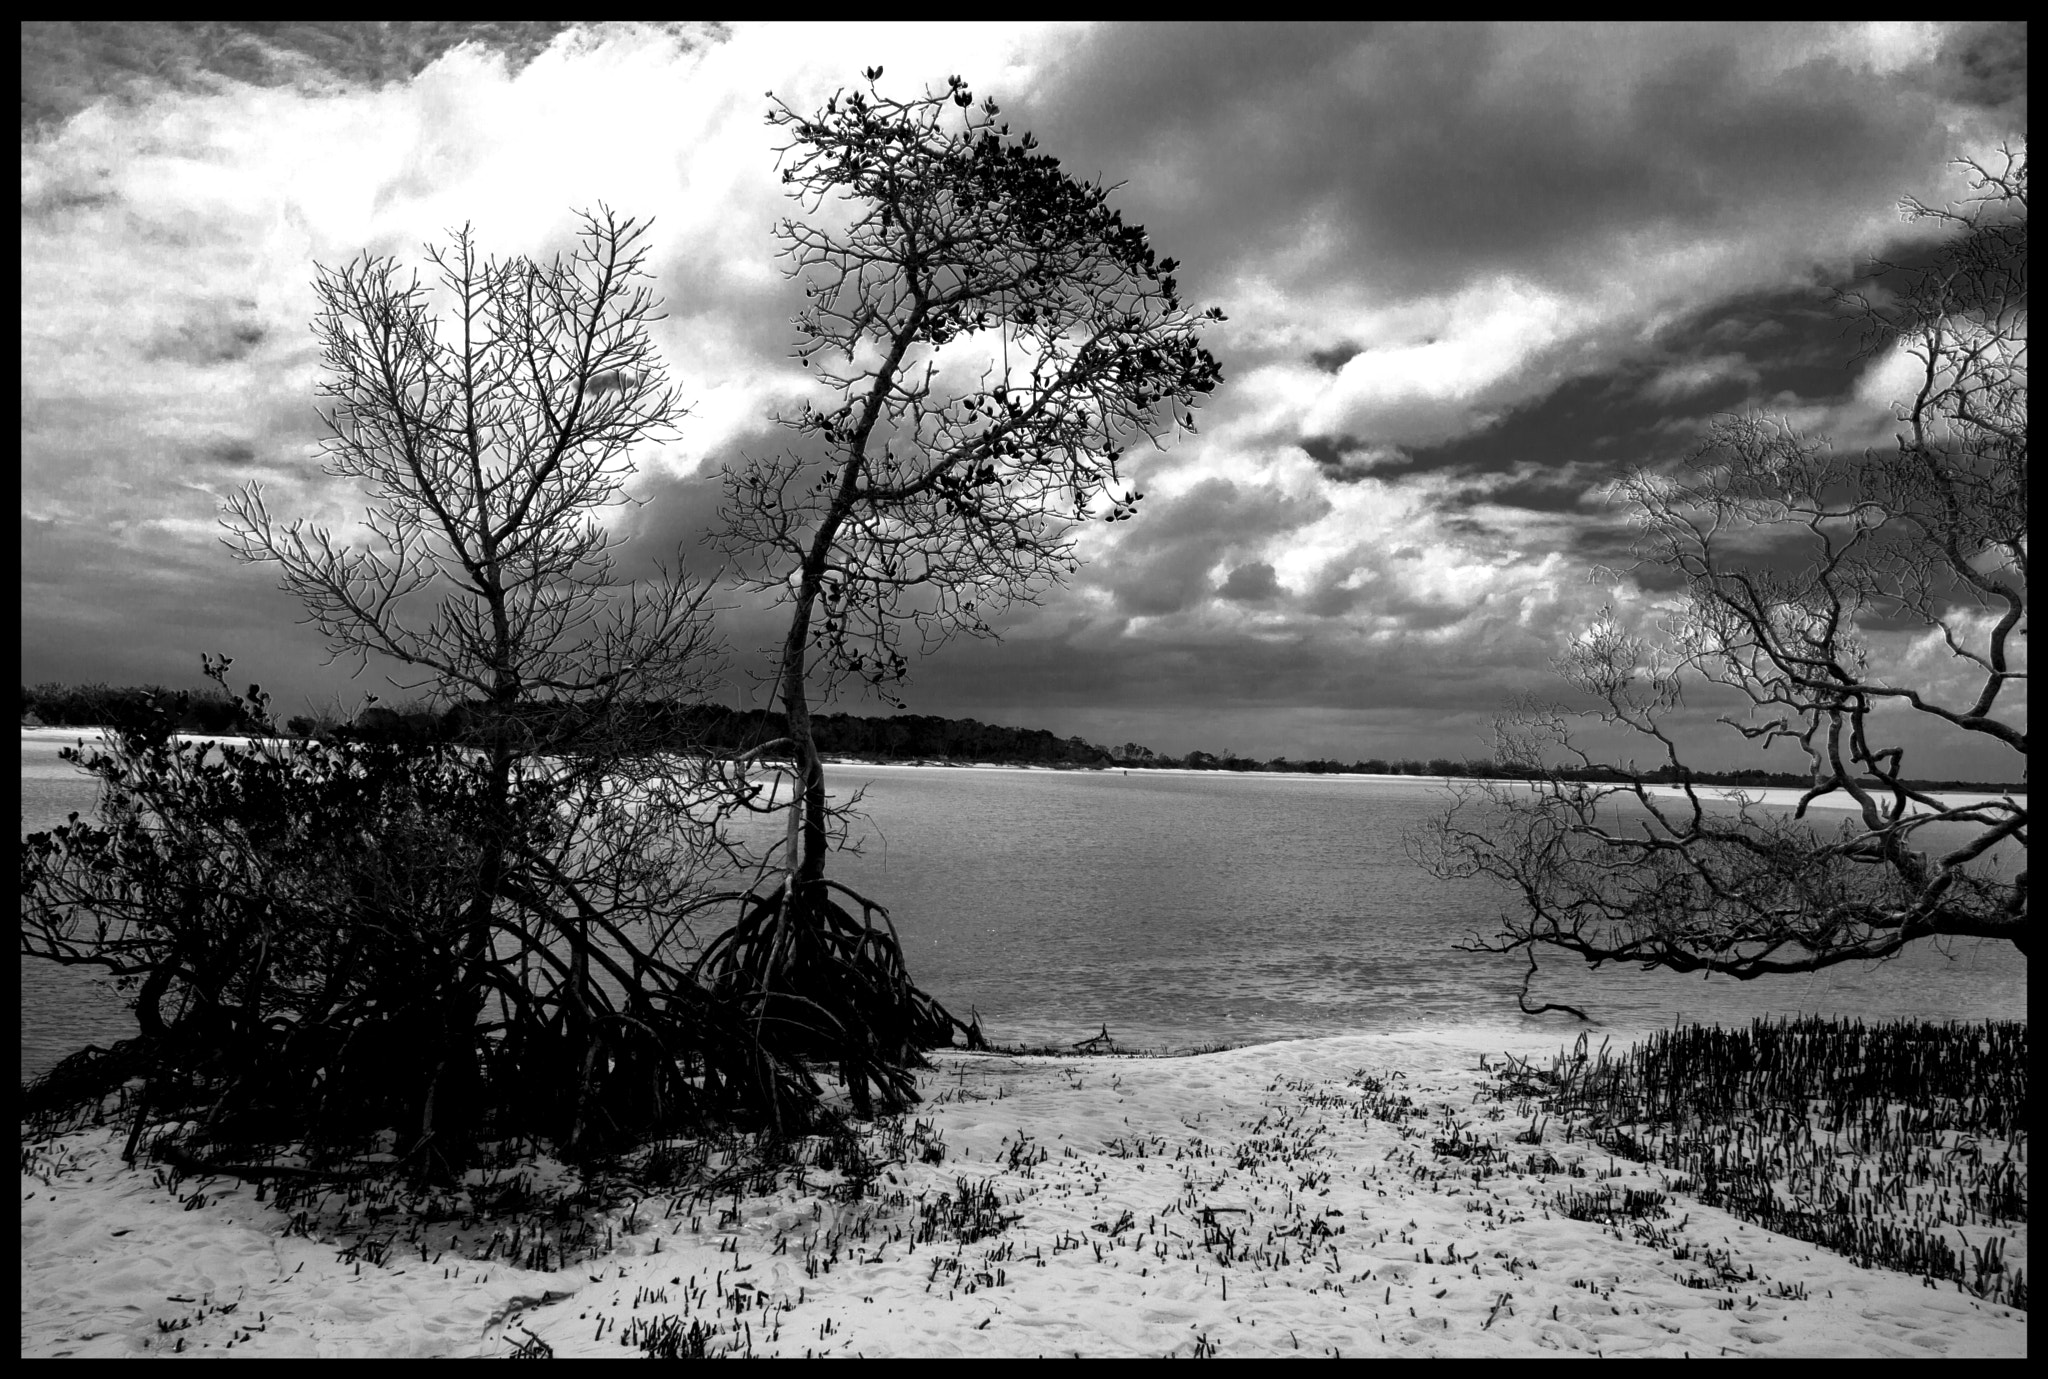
x,y
466,1004
796,705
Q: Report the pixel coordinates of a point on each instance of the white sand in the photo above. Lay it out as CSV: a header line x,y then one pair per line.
x,y
94,737
1346,1235
1774,796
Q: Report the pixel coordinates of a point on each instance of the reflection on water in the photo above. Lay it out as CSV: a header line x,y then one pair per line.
x,y
1191,909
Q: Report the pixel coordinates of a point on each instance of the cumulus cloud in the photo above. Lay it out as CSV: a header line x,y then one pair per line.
x,y
1473,272
1250,583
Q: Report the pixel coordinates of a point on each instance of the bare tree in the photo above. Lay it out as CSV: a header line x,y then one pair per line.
x,y
991,338
482,566
558,851
1931,533
488,574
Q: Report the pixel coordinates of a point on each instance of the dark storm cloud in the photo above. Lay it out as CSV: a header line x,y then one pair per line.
x,y
1334,359
137,603
1347,459
1252,583
1542,492
1332,594
678,514
1561,453
1163,561
55,199
1070,669
228,454
1442,152
1474,273
1612,546
217,336
66,65
1985,64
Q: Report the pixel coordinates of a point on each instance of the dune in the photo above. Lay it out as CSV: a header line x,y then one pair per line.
x,y
1317,1197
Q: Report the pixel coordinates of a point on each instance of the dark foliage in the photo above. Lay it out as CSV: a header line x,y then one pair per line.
x,y
95,705
290,920
1875,1141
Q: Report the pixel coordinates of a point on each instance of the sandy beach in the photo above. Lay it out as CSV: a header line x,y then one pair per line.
x,y
1349,1195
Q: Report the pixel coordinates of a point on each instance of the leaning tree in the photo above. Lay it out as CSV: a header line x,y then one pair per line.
x,y
988,338
1858,549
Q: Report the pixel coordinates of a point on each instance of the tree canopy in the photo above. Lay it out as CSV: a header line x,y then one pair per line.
x,y
988,338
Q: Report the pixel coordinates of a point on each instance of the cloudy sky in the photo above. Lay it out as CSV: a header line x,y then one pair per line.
x,y
1471,273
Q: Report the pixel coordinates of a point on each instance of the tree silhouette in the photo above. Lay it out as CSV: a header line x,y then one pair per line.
x,y
440,935
1931,534
990,338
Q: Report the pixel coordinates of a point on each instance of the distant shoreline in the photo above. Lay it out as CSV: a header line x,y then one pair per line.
x,y
1762,794
1778,796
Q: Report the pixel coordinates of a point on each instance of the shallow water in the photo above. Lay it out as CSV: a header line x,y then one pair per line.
x,y
1184,910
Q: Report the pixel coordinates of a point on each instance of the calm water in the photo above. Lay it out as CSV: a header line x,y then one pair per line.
x,y
1182,910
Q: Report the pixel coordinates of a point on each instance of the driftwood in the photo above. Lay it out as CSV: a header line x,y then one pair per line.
x,y
1094,1040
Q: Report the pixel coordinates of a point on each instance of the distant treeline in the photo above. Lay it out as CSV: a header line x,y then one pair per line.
x,y
899,737
96,706
699,726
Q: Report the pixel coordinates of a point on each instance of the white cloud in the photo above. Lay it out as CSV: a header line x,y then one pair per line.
x,y
1891,381
1481,214
1692,376
1423,391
